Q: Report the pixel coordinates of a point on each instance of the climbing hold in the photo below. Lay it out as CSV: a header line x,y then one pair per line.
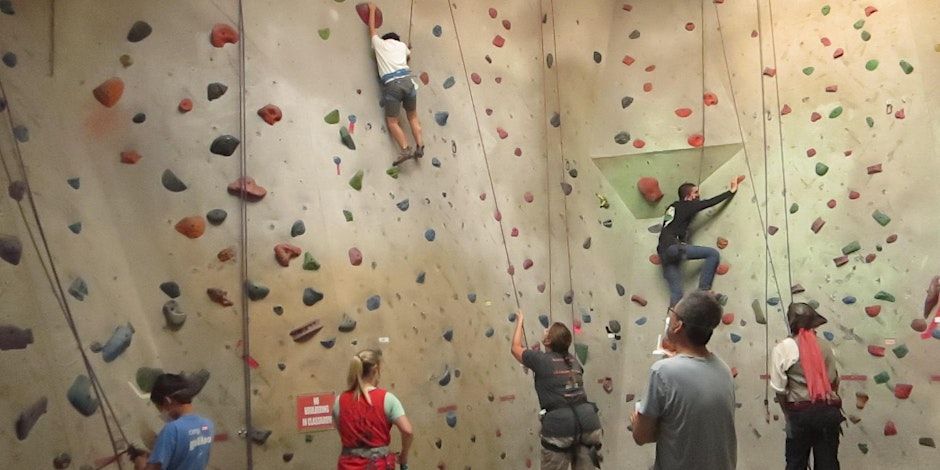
x,y
882,295
270,114
348,216
621,291
347,324
877,351
873,310
655,259
445,377
919,325
690,26
449,82
185,106
832,88
869,10
437,31
306,331
723,269
173,314
859,24
324,33
130,157
640,321
683,112
815,117
811,152
821,168
825,41
11,249
851,248
881,217
770,71
648,87
12,337
638,300
849,300
6,6
871,65
872,169
216,216
284,252
219,296
16,190
639,143
224,145
441,118
555,120
356,181
192,227
109,92
710,99
451,419
696,140
256,291
355,256
332,117
346,139
836,112
78,289
492,13
597,57
310,263
566,188
139,31
215,90
119,341
838,53
311,296
499,41
80,396
502,133
448,335
865,36
808,70
900,351
247,186
139,118
841,260
785,110
890,429
735,337
171,182
622,137
362,9
223,34
298,228
626,101
906,67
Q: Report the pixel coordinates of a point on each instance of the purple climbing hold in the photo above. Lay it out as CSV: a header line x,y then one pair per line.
x,y
373,303
328,343
11,249
12,337
29,417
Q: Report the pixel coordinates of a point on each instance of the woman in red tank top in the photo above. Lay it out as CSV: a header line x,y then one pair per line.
x,y
362,421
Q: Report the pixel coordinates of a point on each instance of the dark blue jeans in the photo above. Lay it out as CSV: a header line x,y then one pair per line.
x,y
672,261
816,429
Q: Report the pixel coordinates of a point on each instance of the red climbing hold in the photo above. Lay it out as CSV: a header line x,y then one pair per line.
x,y
647,87
511,270
817,225
475,78
355,256
192,227
841,261
832,88
723,269
363,10
903,391
499,41
253,192
785,110
502,133
498,215
727,318
814,117
489,111
639,300
710,98
874,169
869,10
130,157
185,106
226,254
825,41
518,152
223,34
696,140
425,79
507,25
892,238
877,351
890,429
627,7
690,26
528,197
854,195
514,232
650,68
649,187
493,13
654,258
639,143
873,310
838,53
770,71
109,92
683,112
527,264
810,152
831,203
870,257
628,60
270,114
899,114
721,243
284,252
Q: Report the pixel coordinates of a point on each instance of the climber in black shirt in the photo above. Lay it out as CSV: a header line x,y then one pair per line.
x,y
674,237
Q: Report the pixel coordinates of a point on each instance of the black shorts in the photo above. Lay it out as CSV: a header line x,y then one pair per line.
x,y
398,92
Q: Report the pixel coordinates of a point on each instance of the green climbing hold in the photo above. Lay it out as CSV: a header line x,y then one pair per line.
x,y
871,65
393,172
870,121
356,181
881,217
821,169
324,33
906,67
332,117
866,36
882,377
836,112
808,71
346,138
851,248
348,216
582,352
826,9
859,24
794,207
882,295
310,263
146,377
900,351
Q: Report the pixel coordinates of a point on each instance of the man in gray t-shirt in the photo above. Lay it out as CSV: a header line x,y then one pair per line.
x,y
689,406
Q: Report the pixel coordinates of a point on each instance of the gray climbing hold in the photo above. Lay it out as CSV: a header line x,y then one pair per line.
x,y
437,31
310,263
451,419
3,104
146,377
224,145
449,82
216,216
566,188
573,172
29,417
430,235
626,101
445,377
587,243
78,288
655,228
328,343
622,137
346,139
139,31
171,182
441,118
197,380
139,118
6,6
311,297
16,190
75,183
597,57
569,297
421,277
75,228
556,120
613,326
472,297
543,319
12,337
347,324
448,335
259,436
881,217
215,90
735,337
80,396
256,291
119,341
759,316
11,249
21,133
298,229
489,332
635,34
278,310
621,291
373,303
173,314
773,301
9,59
403,205
62,461
640,321
435,162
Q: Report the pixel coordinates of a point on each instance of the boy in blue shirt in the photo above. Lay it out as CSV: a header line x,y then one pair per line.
x,y
185,441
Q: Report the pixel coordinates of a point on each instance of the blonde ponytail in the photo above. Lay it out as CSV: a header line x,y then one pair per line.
x,y
363,364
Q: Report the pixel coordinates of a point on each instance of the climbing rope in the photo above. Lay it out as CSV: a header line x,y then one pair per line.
x,y
701,154
411,16
486,160
243,207
548,216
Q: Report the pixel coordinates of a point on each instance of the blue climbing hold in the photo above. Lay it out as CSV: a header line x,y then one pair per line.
x,y
435,162
449,82
429,235
351,118
451,419
848,300
403,205
118,343
640,321
374,302
828,335
935,334
735,337
543,319
472,297
441,118
437,31
773,301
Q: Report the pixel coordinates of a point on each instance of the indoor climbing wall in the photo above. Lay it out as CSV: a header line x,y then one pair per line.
x,y
180,175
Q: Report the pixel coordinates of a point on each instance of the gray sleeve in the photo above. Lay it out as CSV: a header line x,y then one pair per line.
x,y
654,405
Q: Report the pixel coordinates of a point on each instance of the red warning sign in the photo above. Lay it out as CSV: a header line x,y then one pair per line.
x,y
315,412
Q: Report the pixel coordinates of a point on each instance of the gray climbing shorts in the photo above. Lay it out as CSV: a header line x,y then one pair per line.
x,y
397,92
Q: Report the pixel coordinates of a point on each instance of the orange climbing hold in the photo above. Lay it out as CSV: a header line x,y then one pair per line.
x,y
727,318
628,60
655,259
223,34
690,26
683,112
639,143
192,227
873,310
270,114
696,140
109,92
284,252
723,269
130,157
710,98
832,88
425,79
253,192
185,106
